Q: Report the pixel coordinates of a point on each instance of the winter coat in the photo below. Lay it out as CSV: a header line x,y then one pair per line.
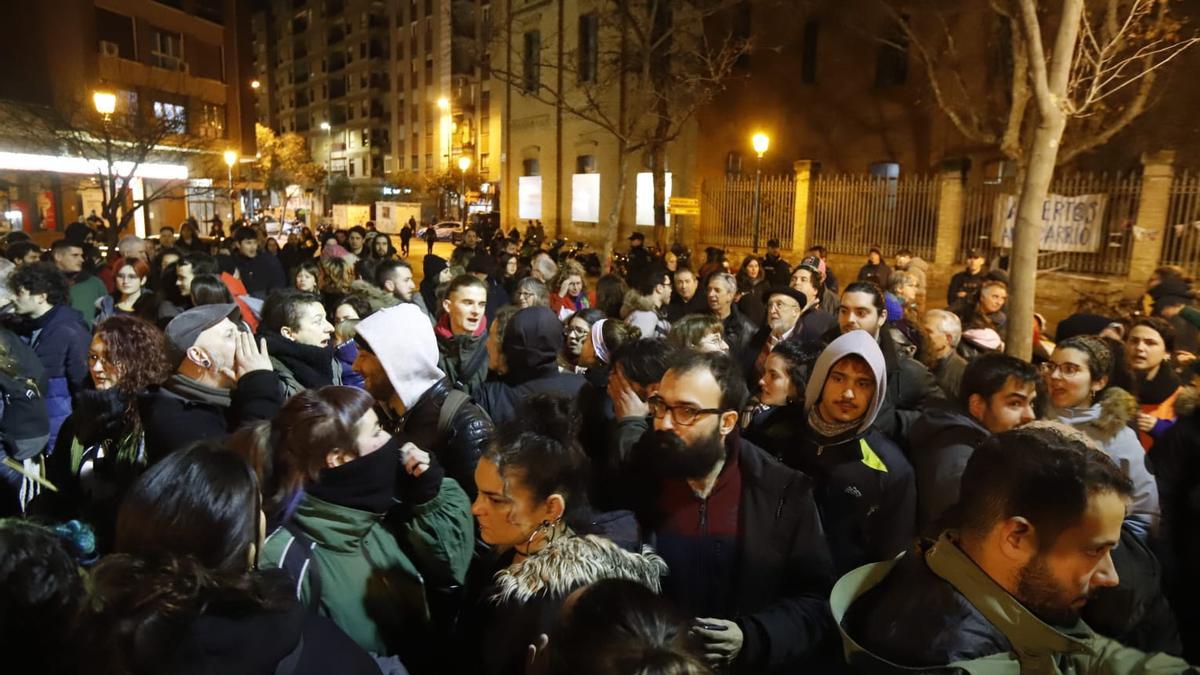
x,y
301,367
532,342
145,307
1106,423
463,358
345,355
60,338
738,331
374,577
1157,398
776,270
261,274
775,428
949,373
458,450
911,389
966,283
86,291
510,605
948,436
679,308
180,412
934,611
639,310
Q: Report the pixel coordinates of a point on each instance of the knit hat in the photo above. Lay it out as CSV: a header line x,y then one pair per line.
x,y
1098,353
403,341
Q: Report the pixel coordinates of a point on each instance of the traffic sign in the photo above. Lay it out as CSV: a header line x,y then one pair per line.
x,y
684,202
683,210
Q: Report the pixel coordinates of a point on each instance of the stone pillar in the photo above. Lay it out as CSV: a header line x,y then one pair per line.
x,y
950,212
804,170
1150,225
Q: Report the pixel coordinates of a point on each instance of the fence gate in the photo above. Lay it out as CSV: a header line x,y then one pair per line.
x,y
727,211
1181,241
849,213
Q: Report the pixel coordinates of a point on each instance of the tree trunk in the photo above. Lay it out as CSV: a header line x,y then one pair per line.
x,y
1027,232
618,205
659,155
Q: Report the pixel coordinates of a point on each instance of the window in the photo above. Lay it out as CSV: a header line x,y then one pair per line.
x,y
589,25
115,33
210,120
733,163
585,164
891,58
485,22
167,50
531,167
172,114
350,167
415,164
808,59
532,73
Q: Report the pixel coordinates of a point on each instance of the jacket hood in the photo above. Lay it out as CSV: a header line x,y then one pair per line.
x,y
1107,416
574,561
636,302
858,342
375,296
532,341
403,340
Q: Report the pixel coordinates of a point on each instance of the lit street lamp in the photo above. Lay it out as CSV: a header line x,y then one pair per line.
x,y
255,84
325,126
106,105
105,102
231,158
464,163
761,142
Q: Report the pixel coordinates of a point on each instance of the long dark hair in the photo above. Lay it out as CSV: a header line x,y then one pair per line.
x,y
208,289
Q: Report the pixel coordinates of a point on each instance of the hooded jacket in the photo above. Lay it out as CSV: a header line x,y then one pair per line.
x,y
463,357
948,437
532,342
865,487
1106,423
60,338
431,266
406,348
639,310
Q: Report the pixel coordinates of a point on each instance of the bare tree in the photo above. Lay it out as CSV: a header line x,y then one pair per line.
x,y
1071,87
655,65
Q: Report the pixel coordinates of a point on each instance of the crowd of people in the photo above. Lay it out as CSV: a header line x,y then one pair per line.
x,y
221,454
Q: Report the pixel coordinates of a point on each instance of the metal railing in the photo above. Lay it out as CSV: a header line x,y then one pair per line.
x,y
727,211
850,213
1112,254
1181,239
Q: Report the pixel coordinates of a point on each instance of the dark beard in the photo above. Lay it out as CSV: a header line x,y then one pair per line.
x,y
671,457
1040,593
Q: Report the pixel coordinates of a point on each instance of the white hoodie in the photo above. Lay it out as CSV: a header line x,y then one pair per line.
x,y
403,340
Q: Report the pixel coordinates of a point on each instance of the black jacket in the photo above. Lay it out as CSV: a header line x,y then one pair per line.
x,y
777,270
963,282
459,449
532,341
784,567
911,389
868,511
261,274
809,328
678,308
738,332
776,429
948,437
174,421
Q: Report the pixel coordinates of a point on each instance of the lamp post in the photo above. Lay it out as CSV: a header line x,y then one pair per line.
x,y
761,142
106,104
325,126
231,158
464,163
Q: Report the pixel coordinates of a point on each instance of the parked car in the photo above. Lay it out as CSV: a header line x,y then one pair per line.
x,y
447,230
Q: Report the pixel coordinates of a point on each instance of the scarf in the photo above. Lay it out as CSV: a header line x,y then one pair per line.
x,y
1154,392
598,341
366,483
186,387
312,366
830,430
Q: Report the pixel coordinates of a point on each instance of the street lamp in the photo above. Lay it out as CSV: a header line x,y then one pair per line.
x,y
325,126
255,84
106,105
105,102
464,163
231,158
761,142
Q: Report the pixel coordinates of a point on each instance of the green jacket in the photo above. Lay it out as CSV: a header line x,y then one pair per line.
x,y
1037,647
461,353
84,294
374,581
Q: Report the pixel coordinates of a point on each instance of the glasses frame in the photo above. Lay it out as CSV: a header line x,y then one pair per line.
x,y
658,403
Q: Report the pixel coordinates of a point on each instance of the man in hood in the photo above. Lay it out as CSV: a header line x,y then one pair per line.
x,y
865,485
532,341
998,393
462,333
398,359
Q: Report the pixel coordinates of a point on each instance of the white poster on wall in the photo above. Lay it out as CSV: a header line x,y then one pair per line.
x,y
585,198
529,197
645,197
1068,223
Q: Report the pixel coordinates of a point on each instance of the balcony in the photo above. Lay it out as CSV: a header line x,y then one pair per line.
x,y
335,35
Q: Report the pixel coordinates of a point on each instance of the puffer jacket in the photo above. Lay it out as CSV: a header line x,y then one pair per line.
x,y
457,450
509,604
1106,422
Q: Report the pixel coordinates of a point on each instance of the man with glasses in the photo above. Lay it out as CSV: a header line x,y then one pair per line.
x,y
739,531
785,308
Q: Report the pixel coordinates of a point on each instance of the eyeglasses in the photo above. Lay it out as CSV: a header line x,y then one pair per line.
x,y
576,330
1067,369
780,304
684,415
526,294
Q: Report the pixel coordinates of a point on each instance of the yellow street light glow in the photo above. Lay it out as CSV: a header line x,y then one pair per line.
x,y
231,157
105,102
255,84
760,142
324,126
443,103
464,163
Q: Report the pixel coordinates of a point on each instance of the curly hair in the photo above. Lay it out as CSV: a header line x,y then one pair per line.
x,y
42,277
336,276
138,350
569,268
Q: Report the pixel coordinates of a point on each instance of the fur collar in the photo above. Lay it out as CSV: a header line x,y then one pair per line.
x,y
1185,403
570,562
1117,408
636,302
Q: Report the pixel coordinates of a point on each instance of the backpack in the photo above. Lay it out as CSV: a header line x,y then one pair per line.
x,y
297,562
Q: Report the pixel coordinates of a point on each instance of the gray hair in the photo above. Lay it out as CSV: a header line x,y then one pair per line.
x,y
729,280
128,240
539,290
545,265
900,278
948,323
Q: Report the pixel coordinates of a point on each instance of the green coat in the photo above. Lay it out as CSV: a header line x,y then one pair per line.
x,y
374,582
1038,648
84,294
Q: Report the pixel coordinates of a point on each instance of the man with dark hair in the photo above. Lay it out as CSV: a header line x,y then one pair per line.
x,y
166,236
685,300
56,333
355,240
828,277
462,333
299,340
964,284
997,393
775,268
1033,538
483,267
85,288
260,271
739,531
23,252
187,268
649,295
396,278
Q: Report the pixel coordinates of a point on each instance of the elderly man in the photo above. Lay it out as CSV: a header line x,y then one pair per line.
x,y
738,328
785,307
945,330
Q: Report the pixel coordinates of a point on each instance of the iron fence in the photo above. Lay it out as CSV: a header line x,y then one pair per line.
x,y
1181,240
850,213
727,211
980,206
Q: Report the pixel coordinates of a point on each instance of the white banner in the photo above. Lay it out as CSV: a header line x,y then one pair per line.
x,y
1068,223
529,197
585,197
